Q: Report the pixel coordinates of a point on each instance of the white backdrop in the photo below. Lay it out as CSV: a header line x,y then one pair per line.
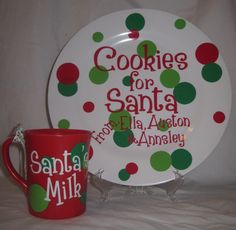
x,y
32,33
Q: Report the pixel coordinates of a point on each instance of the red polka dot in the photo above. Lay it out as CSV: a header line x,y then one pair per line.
x,y
207,53
219,117
67,73
90,155
134,34
88,106
131,168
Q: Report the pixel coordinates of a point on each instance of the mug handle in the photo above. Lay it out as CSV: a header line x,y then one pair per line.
x,y
7,162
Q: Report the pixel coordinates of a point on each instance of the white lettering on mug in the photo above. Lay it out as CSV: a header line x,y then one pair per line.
x,y
54,191
59,190
34,158
54,165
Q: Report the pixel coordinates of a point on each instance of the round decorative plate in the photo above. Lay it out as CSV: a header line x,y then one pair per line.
x,y
153,89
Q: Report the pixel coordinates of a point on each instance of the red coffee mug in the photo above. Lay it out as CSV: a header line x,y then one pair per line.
x,y
56,162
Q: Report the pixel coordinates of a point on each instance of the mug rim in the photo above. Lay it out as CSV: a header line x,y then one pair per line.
x,y
57,132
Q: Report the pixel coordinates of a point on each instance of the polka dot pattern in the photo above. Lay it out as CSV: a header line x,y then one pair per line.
x,y
126,81
146,48
124,175
124,138
98,75
64,124
211,72
207,53
156,65
134,22
79,150
184,93
67,75
97,37
130,169
169,78
88,106
134,34
90,152
83,198
219,117
36,196
180,23
67,90
160,161
122,119
163,126
180,159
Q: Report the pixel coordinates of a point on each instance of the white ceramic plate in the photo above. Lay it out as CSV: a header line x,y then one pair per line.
x,y
152,87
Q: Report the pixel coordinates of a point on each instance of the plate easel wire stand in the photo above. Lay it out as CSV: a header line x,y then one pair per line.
x,y
105,187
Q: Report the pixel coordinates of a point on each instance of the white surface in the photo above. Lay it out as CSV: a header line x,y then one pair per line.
x,y
196,208
32,35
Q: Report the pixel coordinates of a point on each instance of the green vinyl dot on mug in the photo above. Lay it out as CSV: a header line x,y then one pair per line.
x,y
123,175
211,72
36,196
47,163
83,198
160,161
79,154
184,93
169,78
98,75
181,159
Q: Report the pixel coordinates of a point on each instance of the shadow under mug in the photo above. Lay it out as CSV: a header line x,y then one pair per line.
x,y
57,171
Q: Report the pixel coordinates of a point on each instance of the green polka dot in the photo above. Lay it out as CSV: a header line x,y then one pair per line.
x,y
121,120
63,124
181,159
146,49
123,139
67,90
169,78
180,23
135,22
83,198
160,161
98,75
97,36
47,162
211,72
163,126
124,175
184,93
79,150
36,196
126,81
